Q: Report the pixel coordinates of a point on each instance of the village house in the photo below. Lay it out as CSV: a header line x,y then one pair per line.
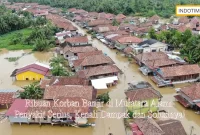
x,y
150,45
152,61
183,20
69,91
97,22
6,98
99,72
104,28
86,54
77,41
123,42
41,13
49,113
92,61
70,53
189,96
176,74
149,126
144,98
63,81
154,19
36,71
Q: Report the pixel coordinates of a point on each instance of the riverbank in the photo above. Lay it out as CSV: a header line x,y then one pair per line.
x,y
15,40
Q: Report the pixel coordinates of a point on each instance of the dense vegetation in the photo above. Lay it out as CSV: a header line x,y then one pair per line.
x,y
21,30
188,44
58,65
164,8
32,91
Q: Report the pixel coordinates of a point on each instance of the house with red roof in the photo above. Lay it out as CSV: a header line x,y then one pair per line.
x,y
77,41
92,61
176,74
36,71
123,42
189,96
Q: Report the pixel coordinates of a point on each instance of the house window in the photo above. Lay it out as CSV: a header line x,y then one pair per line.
x,y
33,78
27,79
45,118
144,103
67,56
153,50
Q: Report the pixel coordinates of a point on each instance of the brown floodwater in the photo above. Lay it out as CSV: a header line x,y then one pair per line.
x,y
103,126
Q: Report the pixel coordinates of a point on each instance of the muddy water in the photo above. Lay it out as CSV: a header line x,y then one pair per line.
x,y
7,67
131,73
103,126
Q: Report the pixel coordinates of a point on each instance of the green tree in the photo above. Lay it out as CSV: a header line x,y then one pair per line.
x,y
152,33
57,61
41,45
32,91
105,98
186,35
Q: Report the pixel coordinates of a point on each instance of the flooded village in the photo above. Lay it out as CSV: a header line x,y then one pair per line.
x,y
102,57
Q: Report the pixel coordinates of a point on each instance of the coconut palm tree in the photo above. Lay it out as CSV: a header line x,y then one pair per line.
x,y
32,91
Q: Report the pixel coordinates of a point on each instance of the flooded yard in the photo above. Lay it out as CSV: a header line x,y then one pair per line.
x,y
103,126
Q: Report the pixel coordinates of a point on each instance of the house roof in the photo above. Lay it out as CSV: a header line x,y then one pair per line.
x,y
79,49
93,60
6,97
148,126
183,28
68,91
182,70
98,70
34,68
105,28
44,83
83,55
67,81
159,63
183,20
72,9
129,39
128,50
154,18
120,16
171,127
99,22
141,94
151,56
73,40
17,105
192,91
149,42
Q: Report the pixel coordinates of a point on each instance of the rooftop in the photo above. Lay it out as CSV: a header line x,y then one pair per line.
x,y
80,39
68,91
192,91
181,70
93,60
99,70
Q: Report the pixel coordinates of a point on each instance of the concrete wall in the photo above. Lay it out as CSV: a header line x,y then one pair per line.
x,y
14,119
29,75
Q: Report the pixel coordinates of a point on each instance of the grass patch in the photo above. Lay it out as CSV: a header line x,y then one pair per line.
x,y
6,40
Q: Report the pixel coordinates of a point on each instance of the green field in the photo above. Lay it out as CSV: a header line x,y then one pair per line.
x,y
6,40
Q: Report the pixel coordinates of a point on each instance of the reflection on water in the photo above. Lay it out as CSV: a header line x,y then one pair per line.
x,y
103,126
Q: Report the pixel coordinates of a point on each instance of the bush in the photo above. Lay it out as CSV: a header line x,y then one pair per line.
x,y
104,98
130,114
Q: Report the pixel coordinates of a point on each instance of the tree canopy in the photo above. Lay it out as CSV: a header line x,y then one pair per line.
x,y
164,8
